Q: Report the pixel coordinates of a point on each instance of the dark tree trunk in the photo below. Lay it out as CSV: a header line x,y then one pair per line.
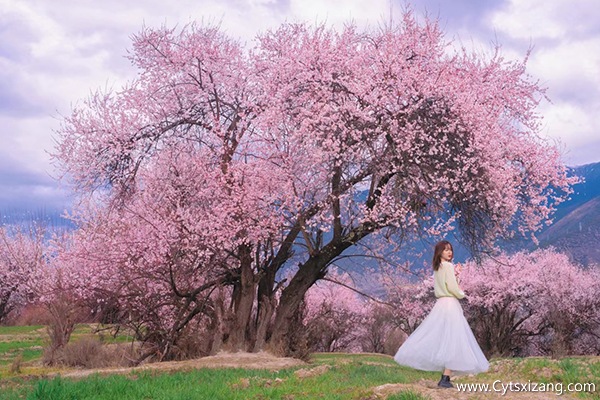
x,y
215,328
266,307
5,307
311,271
267,290
243,302
264,316
291,297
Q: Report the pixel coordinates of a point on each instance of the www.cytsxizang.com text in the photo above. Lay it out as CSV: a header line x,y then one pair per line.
x,y
511,387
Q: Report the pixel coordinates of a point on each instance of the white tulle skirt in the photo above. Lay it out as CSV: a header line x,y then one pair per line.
x,y
443,340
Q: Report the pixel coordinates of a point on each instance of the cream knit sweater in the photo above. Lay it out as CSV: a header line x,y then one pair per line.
x,y
445,284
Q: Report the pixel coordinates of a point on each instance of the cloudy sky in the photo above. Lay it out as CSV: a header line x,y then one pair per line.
x,y
53,53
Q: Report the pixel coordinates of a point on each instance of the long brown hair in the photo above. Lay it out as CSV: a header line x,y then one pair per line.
x,y
437,253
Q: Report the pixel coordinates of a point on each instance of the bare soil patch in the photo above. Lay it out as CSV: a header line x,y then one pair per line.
x,y
261,360
309,373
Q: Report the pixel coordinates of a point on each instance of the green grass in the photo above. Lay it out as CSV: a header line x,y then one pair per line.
x,y
15,330
18,345
349,377
408,395
343,376
27,355
31,354
28,349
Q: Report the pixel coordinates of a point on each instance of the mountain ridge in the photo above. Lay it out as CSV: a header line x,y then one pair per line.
x,y
576,228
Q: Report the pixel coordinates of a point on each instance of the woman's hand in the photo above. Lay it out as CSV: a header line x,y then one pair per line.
x,y
457,269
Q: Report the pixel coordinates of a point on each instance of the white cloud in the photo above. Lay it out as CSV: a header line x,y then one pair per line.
x,y
528,19
338,12
564,38
575,128
26,143
568,62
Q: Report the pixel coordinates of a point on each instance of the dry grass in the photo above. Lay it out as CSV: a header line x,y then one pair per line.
x,y
90,353
260,360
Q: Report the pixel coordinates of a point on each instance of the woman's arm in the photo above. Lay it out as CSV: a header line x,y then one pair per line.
x,y
451,283
457,271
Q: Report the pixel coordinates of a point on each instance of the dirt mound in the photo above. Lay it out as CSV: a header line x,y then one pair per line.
x,y
262,360
309,373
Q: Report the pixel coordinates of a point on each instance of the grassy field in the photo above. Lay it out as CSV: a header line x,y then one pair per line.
x,y
326,376
351,380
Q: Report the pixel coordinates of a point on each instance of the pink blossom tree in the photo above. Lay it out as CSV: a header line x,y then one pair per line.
x,y
334,314
164,255
22,260
532,303
224,165
411,304
406,297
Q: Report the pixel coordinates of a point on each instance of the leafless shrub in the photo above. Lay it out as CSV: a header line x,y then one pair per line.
x,y
15,366
89,352
62,324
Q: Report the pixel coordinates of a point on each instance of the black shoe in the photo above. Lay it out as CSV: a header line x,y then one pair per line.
x,y
445,382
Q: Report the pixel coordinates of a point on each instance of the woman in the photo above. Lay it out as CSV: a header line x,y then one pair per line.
x,y
444,341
